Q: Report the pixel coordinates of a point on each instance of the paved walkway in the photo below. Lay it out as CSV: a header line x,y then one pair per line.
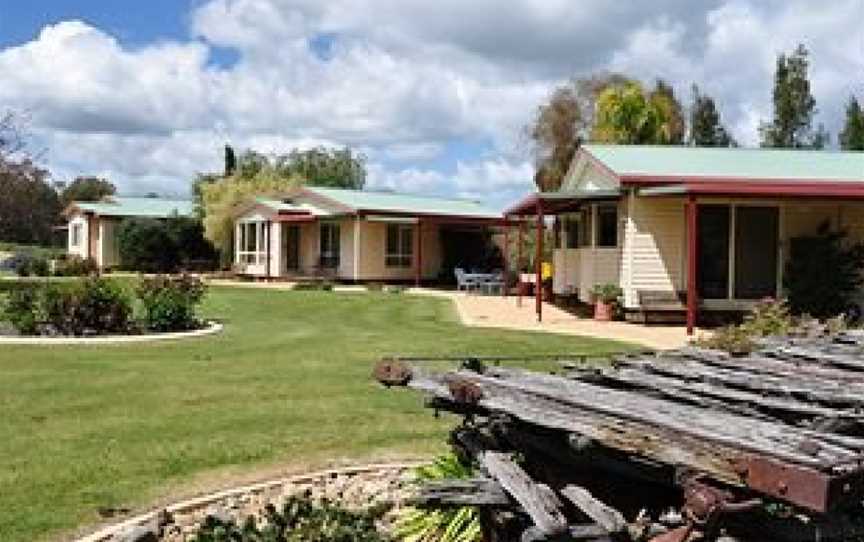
x,y
504,313
499,312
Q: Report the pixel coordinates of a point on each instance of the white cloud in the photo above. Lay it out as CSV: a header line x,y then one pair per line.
x,y
404,82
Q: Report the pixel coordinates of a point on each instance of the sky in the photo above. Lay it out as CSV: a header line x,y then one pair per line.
x,y
436,95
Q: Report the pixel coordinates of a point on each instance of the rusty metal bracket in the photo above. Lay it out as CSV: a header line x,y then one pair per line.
x,y
802,486
392,372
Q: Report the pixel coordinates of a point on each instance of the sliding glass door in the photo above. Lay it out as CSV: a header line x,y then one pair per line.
x,y
737,251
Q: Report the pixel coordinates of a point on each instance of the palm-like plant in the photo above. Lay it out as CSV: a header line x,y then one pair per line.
x,y
450,524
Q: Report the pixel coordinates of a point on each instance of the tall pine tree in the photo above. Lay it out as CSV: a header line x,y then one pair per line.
x,y
794,106
706,128
852,136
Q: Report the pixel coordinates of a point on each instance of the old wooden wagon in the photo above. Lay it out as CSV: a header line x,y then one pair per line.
x,y
690,445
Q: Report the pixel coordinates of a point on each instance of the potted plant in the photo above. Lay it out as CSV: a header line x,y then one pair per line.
x,y
605,298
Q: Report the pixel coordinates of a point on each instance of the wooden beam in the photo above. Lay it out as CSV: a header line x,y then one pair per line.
x,y
692,263
604,515
418,272
538,263
505,256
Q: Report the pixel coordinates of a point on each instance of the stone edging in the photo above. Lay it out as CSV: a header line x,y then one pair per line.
x,y
106,534
212,328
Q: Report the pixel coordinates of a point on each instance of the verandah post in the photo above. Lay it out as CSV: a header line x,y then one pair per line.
x,y
418,272
519,263
538,263
692,263
505,256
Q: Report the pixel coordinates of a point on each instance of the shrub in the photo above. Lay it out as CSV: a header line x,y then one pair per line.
x,y
169,303
824,273
606,293
91,306
20,309
26,263
76,266
447,524
145,245
769,317
299,520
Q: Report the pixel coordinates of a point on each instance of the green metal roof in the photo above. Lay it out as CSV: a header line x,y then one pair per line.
x,y
369,200
138,207
730,163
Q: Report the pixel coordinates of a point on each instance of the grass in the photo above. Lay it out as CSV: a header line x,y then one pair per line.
x,y
43,251
287,385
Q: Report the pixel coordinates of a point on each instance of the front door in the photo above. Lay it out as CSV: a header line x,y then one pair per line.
x,y
756,247
291,247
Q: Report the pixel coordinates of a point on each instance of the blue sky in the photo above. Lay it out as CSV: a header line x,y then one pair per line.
x,y
436,95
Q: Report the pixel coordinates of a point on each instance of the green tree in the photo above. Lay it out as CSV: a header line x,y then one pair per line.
x,y
561,124
625,114
673,127
337,168
87,188
794,106
29,204
145,245
230,160
852,136
706,128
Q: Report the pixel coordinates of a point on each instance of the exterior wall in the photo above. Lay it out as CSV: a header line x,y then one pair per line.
x,y
80,249
654,255
653,249
108,254
373,244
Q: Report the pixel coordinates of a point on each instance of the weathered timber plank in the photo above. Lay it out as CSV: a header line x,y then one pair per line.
x,y
786,368
575,533
537,500
457,492
772,439
604,515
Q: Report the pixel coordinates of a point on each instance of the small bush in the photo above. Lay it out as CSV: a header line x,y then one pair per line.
x,y
170,303
315,285
28,263
606,293
300,519
89,307
76,266
20,309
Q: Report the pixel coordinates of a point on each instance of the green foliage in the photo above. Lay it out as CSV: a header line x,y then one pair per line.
x,y
706,128
794,106
607,293
733,339
769,317
87,189
852,136
145,245
170,302
27,262
20,309
90,306
75,266
626,114
160,246
299,520
314,285
448,524
824,272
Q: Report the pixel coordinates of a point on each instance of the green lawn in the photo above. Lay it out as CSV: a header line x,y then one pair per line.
x,y
287,384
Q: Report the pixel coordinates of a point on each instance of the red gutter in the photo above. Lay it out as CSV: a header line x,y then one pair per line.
x,y
294,218
809,189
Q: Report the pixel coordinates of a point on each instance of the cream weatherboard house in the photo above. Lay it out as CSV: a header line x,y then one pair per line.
x,y
692,229
351,235
92,232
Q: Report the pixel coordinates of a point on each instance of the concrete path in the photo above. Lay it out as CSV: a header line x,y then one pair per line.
x,y
500,312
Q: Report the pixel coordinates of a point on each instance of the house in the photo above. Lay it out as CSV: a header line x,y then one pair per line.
x,y
352,235
92,226
706,229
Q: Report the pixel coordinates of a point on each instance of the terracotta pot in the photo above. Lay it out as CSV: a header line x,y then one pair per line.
x,y
602,311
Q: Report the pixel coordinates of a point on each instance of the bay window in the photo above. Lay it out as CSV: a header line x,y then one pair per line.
x,y
252,247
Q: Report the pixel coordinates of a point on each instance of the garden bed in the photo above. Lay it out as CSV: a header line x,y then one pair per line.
x,y
209,328
353,488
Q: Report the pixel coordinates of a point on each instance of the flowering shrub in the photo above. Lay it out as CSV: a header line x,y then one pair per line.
x,y
170,302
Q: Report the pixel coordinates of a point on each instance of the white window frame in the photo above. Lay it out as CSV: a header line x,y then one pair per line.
x,y
76,231
252,253
329,233
403,257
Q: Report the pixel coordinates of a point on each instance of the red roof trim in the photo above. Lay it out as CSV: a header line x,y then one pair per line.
x,y
665,179
294,218
809,189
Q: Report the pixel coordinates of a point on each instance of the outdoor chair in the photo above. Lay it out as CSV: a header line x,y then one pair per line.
x,y
464,282
492,285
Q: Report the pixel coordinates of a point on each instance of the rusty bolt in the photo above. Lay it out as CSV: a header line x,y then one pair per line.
x,y
465,391
782,487
392,372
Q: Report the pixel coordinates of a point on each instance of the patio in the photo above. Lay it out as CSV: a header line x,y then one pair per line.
x,y
509,313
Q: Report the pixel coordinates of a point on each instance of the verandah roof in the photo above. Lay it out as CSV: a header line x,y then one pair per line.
x,y
559,202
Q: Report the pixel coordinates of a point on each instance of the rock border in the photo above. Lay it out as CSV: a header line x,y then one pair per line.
x,y
110,532
211,329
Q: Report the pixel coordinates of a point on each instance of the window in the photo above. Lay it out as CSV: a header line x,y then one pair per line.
x,y
253,243
76,235
607,226
329,245
400,245
572,228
